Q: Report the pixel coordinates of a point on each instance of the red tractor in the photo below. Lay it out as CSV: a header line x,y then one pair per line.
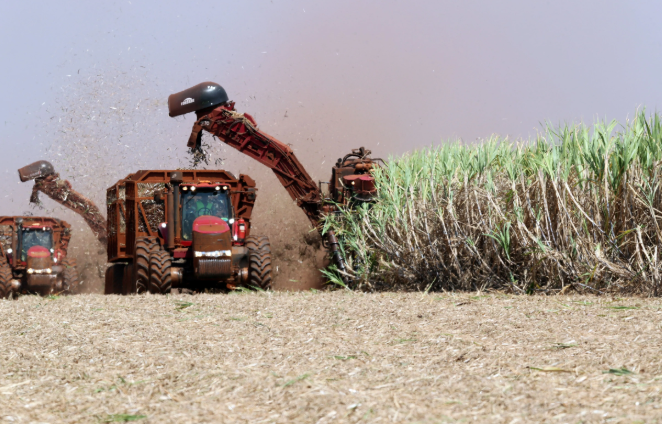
x,y
187,229
33,256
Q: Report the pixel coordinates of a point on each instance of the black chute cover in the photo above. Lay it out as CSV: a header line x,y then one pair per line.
x,y
198,97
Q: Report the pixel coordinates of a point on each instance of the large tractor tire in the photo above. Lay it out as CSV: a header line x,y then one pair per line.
x,y
5,281
259,262
69,275
160,280
144,248
114,278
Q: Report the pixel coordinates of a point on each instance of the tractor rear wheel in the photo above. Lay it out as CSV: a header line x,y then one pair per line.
x,y
259,262
160,280
144,248
5,281
69,275
114,277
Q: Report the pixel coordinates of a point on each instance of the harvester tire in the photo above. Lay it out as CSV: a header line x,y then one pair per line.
x,y
69,275
114,278
160,280
144,248
259,262
5,281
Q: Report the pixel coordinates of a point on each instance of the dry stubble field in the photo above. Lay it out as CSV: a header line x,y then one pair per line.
x,y
330,357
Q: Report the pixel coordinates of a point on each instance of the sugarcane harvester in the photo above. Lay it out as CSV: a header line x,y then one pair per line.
x,y
33,256
351,179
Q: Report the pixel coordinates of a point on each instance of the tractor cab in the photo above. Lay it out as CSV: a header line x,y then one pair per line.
x,y
204,200
36,238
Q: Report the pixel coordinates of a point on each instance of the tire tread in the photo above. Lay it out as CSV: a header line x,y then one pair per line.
x,y
144,248
160,280
69,275
5,281
259,262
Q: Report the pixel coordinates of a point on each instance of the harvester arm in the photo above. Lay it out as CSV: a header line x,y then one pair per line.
x,y
48,182
240,131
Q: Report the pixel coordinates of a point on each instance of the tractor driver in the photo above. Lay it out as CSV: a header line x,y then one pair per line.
x,y
213,204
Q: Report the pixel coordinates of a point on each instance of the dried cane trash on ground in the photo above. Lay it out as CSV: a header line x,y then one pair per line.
x,y
330,357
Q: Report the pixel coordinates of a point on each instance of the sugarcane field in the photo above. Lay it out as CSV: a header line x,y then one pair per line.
x,y
331,212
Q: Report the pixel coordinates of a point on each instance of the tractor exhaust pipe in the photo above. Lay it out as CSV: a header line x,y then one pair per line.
x,y
171,221
19,242
38,169
176,178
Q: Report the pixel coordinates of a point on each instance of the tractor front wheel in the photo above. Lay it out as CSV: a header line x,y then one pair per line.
x,y
5,281
259,262
160,280
69,275
144,248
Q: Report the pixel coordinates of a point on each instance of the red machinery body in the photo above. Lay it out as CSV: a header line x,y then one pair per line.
x,y
182,229
138,206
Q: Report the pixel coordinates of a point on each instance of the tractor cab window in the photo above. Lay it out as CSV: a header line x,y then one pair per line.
x,y
201,202
35,237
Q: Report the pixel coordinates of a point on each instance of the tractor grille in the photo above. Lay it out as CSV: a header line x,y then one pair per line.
x,y
214,268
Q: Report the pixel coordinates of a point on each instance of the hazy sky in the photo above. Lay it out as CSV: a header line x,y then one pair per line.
x,y
84,84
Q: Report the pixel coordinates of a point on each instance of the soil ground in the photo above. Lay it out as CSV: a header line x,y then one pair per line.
x,y
321,357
